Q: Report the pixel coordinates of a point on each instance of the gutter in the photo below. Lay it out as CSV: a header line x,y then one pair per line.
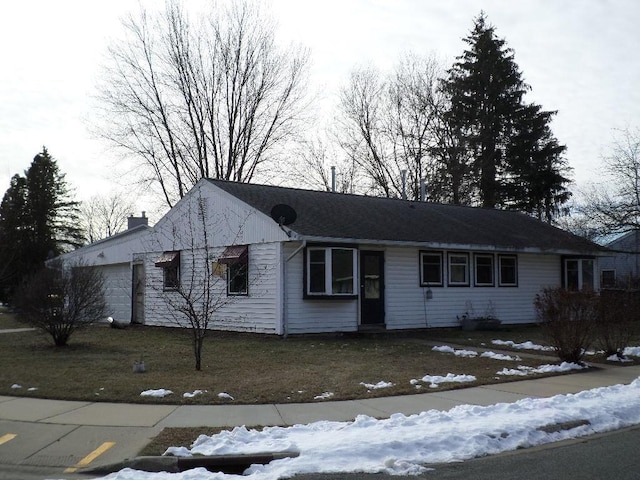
x,y
230,464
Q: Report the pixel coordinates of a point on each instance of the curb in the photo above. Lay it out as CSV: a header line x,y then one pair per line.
x,y
215,463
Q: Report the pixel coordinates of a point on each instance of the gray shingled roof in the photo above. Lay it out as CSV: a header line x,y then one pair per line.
x,y
342,216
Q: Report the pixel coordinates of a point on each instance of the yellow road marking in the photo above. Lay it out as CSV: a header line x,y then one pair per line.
x,y
7,437
91,457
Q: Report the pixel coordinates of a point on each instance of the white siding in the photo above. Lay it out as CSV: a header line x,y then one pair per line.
x,y
257,312
408,307
309,315
117,290
227,221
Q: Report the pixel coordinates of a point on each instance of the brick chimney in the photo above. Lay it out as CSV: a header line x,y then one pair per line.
x,y
133,222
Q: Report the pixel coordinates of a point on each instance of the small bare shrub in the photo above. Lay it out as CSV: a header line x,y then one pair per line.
x,y
60,300
617,320
568,320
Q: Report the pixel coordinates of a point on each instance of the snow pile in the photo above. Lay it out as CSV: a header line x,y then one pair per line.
x,y
631,352
159,393
323,396
523,370
473,354
458,353
376,386
523,346
193,394
500,356
17,386
435,380
402,444
616,358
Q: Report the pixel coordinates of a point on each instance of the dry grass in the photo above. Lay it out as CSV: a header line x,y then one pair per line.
x,y
98,364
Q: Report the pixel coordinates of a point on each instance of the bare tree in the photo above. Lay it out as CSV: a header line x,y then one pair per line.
x,y
215,98
61,299
200,287
388,125
105,215
613,206
317,162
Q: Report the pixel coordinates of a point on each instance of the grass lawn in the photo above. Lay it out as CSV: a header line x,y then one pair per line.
x,y
97,365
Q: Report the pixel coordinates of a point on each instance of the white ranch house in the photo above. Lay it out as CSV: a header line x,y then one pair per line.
x,y
330,262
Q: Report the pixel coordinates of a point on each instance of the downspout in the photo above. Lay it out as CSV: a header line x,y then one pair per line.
x,y
285,295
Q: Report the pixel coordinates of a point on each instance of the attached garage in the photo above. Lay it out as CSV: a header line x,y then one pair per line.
x,y
117,289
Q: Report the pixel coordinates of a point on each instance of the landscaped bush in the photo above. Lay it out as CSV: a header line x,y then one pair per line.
x,y
568,320
617,320
61,300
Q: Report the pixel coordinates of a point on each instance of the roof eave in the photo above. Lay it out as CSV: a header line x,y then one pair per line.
x,y
449,246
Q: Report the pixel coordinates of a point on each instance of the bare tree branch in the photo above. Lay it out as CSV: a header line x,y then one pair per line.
x,y
215,98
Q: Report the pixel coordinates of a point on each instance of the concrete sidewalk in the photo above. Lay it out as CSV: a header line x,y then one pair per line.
x,y
101,414
65,436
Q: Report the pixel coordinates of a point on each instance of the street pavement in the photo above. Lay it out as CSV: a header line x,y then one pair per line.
x,y
63,437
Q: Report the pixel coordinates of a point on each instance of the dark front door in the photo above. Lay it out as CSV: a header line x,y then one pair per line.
x,y
371,287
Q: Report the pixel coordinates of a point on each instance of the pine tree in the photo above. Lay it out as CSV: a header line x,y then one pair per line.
x,y
54,216
14,234
515,158
38,220
537,171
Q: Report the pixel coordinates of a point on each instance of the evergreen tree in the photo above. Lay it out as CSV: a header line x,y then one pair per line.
x,y
14,234
537,171
38,220
515,158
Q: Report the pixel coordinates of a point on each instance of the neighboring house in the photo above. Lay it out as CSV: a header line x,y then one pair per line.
x,y
289,261
622,266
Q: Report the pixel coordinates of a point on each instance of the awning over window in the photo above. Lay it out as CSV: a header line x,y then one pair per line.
x,y
168,259
234,254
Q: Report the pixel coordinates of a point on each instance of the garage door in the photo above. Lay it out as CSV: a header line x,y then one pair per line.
x,y
117,286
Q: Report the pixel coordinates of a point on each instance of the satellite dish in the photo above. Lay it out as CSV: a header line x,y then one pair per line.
x,y
283,214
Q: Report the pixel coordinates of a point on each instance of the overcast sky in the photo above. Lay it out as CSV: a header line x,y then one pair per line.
x,y
581,57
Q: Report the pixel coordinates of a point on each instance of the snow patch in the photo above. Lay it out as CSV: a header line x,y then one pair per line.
x,y
523,346
159,393
523,370
376,386
323,396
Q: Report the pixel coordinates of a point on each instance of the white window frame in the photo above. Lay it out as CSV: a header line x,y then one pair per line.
x,y
580,264
328,272
451,264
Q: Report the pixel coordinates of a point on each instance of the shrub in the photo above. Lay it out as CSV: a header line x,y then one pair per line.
x,y
60,300
617,320
568,320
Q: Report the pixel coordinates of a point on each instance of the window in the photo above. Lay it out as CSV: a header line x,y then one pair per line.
x,y
508,271
330,271
608,279
483,270
238,278
170,264
431,268
579,273
236,258
458,269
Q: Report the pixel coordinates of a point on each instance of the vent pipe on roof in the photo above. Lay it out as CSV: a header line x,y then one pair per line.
x,y
404,184
423,190
333,179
